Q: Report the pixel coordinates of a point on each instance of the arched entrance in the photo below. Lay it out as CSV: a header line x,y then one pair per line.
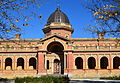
x,y
79,63
104,63
20,63
56,56
32,62
91,63
8,63
116,62
57,68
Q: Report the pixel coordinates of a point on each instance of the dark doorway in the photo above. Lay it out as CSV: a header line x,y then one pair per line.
x,y
20,62
79,63
57,65
8,62
104,63
91,63
116,62
32,62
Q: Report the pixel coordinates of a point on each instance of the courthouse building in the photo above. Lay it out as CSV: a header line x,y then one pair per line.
x,y
59,53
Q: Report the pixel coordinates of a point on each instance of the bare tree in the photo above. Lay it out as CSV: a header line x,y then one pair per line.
x,y
15,14
106,14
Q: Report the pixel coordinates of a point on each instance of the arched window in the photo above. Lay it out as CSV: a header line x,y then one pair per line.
x,y
91,63
79,63
32,62
116,62
8,63
103,63
20,62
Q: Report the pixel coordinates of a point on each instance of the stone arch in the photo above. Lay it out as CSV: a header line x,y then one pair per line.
x,y
8,63
57,49
79,63
20,62
91,63
116,62
104,62
32,62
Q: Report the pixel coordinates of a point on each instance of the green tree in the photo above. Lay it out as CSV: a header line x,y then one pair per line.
x,y
15,14
106,14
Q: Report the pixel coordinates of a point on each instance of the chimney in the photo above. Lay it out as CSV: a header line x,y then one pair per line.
x,y
17,36
101,35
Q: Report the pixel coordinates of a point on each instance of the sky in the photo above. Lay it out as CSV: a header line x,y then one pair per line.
x,y
78,16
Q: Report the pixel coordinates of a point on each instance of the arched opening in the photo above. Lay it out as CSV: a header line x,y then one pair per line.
x,y
57,66
57,48
20,63
79,63
32,63
91,63
8,63
116,62
104,63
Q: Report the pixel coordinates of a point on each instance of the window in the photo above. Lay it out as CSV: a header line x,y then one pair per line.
x,y
47,64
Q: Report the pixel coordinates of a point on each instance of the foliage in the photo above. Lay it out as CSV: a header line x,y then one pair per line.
x,y
106,14
13,16
44,79
111,78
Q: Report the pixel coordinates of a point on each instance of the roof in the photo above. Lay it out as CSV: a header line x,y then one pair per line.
x,y
58,16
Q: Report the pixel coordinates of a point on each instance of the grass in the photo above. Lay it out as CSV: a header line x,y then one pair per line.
x,y
44,79
111,78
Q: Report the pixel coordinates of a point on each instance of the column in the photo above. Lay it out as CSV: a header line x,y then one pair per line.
x,y
111,61
2,62
41,62
13,63
85,62
98,62
70,61
26,63
65,61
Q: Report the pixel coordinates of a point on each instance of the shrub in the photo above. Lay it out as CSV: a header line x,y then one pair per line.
x,y
111,78
44,79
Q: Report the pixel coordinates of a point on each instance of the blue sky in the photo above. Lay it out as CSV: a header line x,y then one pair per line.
x,y
79,17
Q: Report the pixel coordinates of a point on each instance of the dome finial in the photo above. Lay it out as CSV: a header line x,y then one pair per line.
x,y
58,4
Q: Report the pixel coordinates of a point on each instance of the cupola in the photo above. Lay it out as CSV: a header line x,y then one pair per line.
x,y
58,24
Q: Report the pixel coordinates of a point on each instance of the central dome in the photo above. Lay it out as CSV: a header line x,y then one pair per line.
x,y
58,16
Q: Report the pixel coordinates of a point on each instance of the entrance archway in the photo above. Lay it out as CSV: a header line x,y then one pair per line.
x,y
57,66
91,63
8,63
57,49
79,63
20,63
116,62
104,63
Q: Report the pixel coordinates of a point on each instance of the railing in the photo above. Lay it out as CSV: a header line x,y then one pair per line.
x,y
97,48
6,49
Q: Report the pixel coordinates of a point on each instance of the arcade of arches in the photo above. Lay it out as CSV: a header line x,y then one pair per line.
x,y
59,53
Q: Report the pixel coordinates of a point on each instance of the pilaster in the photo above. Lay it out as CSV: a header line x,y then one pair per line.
x,y
41,62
